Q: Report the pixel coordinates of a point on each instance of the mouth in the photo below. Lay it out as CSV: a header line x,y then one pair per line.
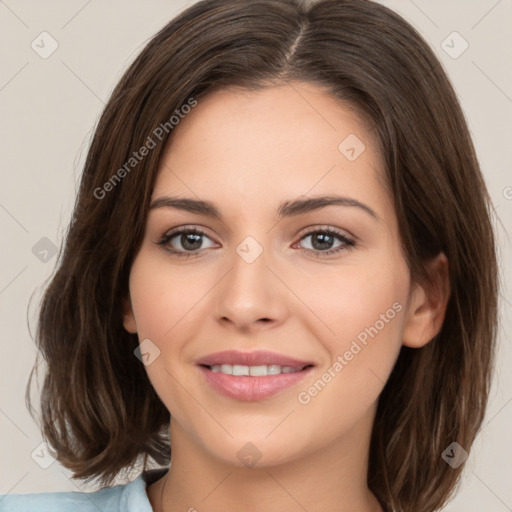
x,y
238,360
252,376
240,370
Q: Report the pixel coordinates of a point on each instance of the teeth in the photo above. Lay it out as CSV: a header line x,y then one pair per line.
x,y
253,371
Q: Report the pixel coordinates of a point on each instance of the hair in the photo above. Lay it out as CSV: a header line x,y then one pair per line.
x,y
99,411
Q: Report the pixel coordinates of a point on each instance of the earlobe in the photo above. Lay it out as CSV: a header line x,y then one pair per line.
x,y
128,317
427,307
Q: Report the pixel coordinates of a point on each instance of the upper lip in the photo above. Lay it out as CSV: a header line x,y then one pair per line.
x,y
261,357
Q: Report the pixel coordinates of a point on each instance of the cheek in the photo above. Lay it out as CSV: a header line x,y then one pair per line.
x,y
353,297
162,301
166,302
368,323
364,308
162,297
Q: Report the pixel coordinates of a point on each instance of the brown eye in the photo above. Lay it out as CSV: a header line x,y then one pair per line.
x,y
323,241
184,241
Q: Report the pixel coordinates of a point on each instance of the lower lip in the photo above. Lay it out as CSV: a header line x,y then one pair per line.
x,y
252,388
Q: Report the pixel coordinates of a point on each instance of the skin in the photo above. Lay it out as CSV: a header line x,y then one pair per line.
x,y
247,152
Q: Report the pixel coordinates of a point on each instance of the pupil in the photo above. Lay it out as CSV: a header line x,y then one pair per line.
x,y
194,238
325,241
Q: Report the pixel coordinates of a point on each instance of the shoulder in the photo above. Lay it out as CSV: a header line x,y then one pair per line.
x,y
130,497
108,499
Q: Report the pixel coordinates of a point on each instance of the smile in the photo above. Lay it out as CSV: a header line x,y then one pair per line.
x,y
240,370
246,386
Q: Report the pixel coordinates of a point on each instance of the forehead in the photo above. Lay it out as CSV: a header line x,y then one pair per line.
x,y
265,145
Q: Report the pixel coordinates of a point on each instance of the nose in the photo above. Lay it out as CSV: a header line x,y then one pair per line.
x,y
251,296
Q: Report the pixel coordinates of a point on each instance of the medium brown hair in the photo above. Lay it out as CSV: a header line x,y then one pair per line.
x,y
99,410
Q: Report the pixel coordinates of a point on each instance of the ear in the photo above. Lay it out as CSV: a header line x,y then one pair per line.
x,y
427,306
128,317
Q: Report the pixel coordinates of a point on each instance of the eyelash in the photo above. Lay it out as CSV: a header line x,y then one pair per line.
x,y
348,242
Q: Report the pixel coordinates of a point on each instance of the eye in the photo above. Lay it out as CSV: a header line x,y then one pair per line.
x,y
186,241
183,241
323,240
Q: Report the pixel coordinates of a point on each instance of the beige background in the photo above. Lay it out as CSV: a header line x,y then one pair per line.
x,y
49,109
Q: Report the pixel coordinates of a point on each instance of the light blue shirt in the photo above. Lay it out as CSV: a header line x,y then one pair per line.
x,y
130,497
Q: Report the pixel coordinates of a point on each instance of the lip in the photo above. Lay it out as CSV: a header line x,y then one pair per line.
x,y
251,389
248,388
261,357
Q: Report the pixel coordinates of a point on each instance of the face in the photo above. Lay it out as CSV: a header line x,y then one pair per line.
x,y
325,286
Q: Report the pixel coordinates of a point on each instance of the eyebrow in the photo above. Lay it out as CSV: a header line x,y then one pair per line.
x,y
286,208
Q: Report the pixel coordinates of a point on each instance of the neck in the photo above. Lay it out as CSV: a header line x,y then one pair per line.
x,y
332,478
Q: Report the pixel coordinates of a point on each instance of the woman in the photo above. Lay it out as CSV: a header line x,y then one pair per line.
x,y
281,265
